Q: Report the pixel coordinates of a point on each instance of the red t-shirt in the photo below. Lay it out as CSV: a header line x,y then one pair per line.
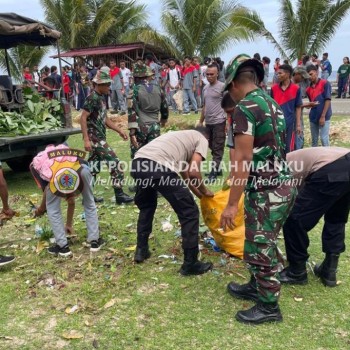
x,y
27,76
113,72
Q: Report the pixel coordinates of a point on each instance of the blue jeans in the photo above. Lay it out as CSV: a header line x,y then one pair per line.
x,y
83,93
322,131
342,86
171,100
299,139
188,96
325,74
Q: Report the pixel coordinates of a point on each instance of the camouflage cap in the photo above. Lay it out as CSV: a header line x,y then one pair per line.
x,y
240,61
142,71
102,76
139,70
149,72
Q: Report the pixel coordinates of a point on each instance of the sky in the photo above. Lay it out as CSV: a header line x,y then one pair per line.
x,y
267,9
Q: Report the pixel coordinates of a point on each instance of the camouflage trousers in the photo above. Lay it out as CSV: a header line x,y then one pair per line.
x,y
145,134
265,213
102,152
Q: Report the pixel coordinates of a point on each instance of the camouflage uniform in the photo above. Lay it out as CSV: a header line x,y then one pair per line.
x,y
95,104
147,101
270,192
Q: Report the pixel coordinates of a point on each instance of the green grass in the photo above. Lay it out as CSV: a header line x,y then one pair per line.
x,y
154,307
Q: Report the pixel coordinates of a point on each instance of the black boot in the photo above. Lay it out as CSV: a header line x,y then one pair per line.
x,y
212,176
191,265
260,313
295,273
327,271
142,254
121,197
246,291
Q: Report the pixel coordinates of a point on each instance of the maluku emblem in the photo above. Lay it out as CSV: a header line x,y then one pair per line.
x,y
65,179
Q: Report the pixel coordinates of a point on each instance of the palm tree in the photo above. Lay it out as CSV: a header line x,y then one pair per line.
x,y
93,22
192,27
306,27
20,56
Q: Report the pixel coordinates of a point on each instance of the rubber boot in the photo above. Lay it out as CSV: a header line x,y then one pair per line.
x,y
191,265
141,254
295,273
260,313
246,291
121,197
327,271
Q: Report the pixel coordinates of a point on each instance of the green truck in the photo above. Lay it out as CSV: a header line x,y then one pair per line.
x,y
18,151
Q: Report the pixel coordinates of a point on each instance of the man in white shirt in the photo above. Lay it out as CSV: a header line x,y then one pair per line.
x,y
126,78
174,81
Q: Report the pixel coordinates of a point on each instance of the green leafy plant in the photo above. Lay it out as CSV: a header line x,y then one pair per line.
x,y
39,115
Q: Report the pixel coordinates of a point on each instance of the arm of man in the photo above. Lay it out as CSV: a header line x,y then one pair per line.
x,y
121,80
195,181
327,96
83,124
5,197
132,118
201,120
112,126
164,110
322,120
298,112
240,156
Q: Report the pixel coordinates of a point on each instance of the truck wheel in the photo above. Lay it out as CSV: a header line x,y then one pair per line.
x,y
20,164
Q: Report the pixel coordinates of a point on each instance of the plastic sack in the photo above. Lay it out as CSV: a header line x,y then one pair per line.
x,y
231,241
178,98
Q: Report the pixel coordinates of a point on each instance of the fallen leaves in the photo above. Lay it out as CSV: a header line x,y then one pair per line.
x,y
41,246
72,334
109,304
298,299
131,249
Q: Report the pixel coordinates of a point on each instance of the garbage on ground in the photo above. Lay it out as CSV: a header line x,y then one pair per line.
x,y
82,216
166,225
210,242
164,256
38,230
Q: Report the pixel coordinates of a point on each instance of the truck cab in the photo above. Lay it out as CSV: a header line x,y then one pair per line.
x,y
18,151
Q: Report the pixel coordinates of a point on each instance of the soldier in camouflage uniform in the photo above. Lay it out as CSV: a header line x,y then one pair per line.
x,y
93,125
260,170
143,114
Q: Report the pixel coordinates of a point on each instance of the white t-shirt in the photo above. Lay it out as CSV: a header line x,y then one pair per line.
x,y
175,149
173,77
126,76
204,75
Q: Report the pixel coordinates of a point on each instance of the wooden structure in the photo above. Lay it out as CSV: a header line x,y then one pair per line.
x,y
128,52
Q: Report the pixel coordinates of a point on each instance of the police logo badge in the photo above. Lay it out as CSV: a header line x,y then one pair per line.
x,y
65,179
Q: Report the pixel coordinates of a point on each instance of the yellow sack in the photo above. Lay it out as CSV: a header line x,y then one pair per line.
x,y
231,241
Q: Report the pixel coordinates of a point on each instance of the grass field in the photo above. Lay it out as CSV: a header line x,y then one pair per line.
x,y
104,301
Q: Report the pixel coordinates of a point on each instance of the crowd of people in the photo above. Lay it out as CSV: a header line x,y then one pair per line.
x,y
264,136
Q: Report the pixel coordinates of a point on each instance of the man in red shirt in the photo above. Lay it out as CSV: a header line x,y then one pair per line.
x,y
117,88
288,96
26,73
